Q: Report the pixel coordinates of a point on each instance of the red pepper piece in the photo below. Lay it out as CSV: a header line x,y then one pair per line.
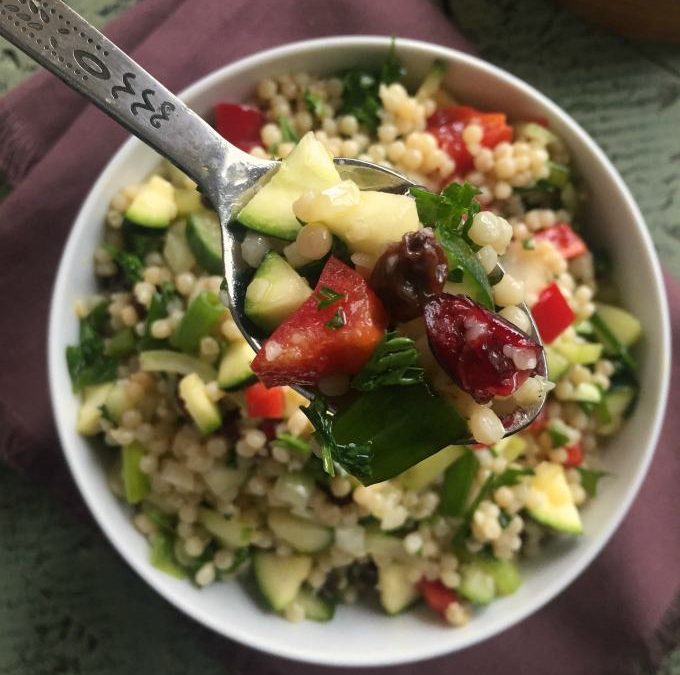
x,y
552,313
323,337
264,402
437,596
565,240
447,126
574,455
239,124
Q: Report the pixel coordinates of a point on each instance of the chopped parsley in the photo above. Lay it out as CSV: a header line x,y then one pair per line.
x,y
87,361
288,134
589,480
529,244
290,442
355,458
315,104
361,89
130,265
327,296
450,213
338,320
394,362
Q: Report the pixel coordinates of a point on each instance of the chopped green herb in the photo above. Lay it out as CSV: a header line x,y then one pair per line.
x,y
558,436
315,104
290,442
529,244
327,296
355,458
106,414
605,335
589,480
509,477
121,343
338,320
360,92
87,362
158,309
162,556
288,134
458,480
240,557
450,213
394,362
130,265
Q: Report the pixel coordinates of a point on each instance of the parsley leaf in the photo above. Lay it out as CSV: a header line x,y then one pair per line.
x,y
158,309
450,213
338,320
315,104
130,265
288,134
590,479
360,90
353,457
509,477
327,296
87,362
394,362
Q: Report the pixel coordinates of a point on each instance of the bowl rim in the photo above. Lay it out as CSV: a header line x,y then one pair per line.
x,y
233,631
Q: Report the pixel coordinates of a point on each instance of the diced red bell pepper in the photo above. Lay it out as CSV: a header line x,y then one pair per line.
x,y
447,126
264,402
437,596
552,313
564,239
574,455
334,331
239,124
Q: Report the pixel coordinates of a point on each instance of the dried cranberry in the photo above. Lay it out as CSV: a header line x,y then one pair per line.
x,y
484,354
407,272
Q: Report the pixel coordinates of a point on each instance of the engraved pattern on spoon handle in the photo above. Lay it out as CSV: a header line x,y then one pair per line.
x,y
71,48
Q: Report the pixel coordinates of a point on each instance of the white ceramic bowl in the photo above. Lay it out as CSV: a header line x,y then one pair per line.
x,y
363,636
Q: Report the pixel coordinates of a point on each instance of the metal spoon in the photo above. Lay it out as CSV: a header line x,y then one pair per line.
x,y
66,44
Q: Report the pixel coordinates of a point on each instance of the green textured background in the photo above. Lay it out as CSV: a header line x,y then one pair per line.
x,y
68,603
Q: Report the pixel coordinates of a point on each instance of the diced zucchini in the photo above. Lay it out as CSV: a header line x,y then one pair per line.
x,y
476,584
228,531
583,353
154,205
275,292
294,488
382,546
559,174
423,473
557,363
90,411
483,578
204,235
510,447
204,412
397,591
532,131
505,573
202,317
623,325
619,400
162,555
188,200
308,167
176,249
303,535
585,392
167,361
550,499
235,370
135,483
280,578
316,608
224,481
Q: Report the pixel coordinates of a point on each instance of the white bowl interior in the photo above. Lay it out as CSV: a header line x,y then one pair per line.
x,y
361,635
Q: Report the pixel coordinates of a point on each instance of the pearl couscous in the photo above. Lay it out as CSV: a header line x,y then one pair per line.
x,y
226,478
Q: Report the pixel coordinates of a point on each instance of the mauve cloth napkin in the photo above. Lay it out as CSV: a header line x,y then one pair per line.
x,y
52,147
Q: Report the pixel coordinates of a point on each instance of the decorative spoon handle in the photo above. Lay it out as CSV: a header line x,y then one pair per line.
x,y
64,43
